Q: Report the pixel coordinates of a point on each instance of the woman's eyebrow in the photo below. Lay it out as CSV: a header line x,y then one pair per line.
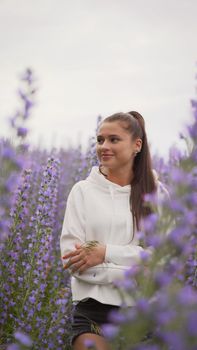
x,y
110,135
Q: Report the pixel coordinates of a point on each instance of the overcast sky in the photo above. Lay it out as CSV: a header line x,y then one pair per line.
x,y
98,57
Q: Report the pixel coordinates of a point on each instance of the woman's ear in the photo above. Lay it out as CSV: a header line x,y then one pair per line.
x,y
138,143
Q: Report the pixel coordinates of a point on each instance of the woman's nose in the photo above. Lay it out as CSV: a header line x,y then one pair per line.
x,y
105,144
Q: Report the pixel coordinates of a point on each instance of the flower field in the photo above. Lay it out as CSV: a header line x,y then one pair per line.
x,y
35,307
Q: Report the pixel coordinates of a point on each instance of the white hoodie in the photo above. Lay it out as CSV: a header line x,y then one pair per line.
x,y
98,209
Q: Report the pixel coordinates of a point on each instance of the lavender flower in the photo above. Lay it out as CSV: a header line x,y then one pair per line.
x,y
22,132
23,339
110,331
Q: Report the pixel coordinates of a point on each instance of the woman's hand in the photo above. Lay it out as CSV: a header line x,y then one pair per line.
x,y
87,255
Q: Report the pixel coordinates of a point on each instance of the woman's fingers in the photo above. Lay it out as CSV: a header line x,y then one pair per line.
x,y
77,246
78,266
77,259
71,254
82,268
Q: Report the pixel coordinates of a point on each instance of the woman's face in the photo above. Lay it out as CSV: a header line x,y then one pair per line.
x,y
115,147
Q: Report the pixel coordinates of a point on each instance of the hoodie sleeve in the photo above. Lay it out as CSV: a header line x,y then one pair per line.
x,y
73,231
123,255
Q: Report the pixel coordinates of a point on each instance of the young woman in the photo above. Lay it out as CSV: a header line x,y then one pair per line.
x,y
98,241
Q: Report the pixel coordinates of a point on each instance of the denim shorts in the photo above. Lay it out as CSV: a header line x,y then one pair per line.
x,y
89,316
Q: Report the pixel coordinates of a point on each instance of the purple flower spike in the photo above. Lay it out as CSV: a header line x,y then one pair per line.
x,y
143,305
22,132
145,255
13,347
191,323
150,222
187,296
23,338
89,343
110,331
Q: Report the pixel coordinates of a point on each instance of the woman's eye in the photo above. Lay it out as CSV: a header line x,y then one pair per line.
x,y
99,140
114,139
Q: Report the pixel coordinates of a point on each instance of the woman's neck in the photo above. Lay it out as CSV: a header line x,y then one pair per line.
x,y
118,176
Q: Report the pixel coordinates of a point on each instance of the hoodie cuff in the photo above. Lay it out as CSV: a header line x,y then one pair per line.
x,y
112,253
123,255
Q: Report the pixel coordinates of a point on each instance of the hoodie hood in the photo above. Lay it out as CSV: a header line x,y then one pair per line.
x,y
99,179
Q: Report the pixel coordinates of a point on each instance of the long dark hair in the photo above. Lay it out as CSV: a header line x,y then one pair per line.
x,y
143,181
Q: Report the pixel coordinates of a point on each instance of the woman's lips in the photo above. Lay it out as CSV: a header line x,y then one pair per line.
x,y
106,156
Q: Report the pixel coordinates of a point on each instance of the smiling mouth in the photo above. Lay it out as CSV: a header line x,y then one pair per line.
x,y
106,156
